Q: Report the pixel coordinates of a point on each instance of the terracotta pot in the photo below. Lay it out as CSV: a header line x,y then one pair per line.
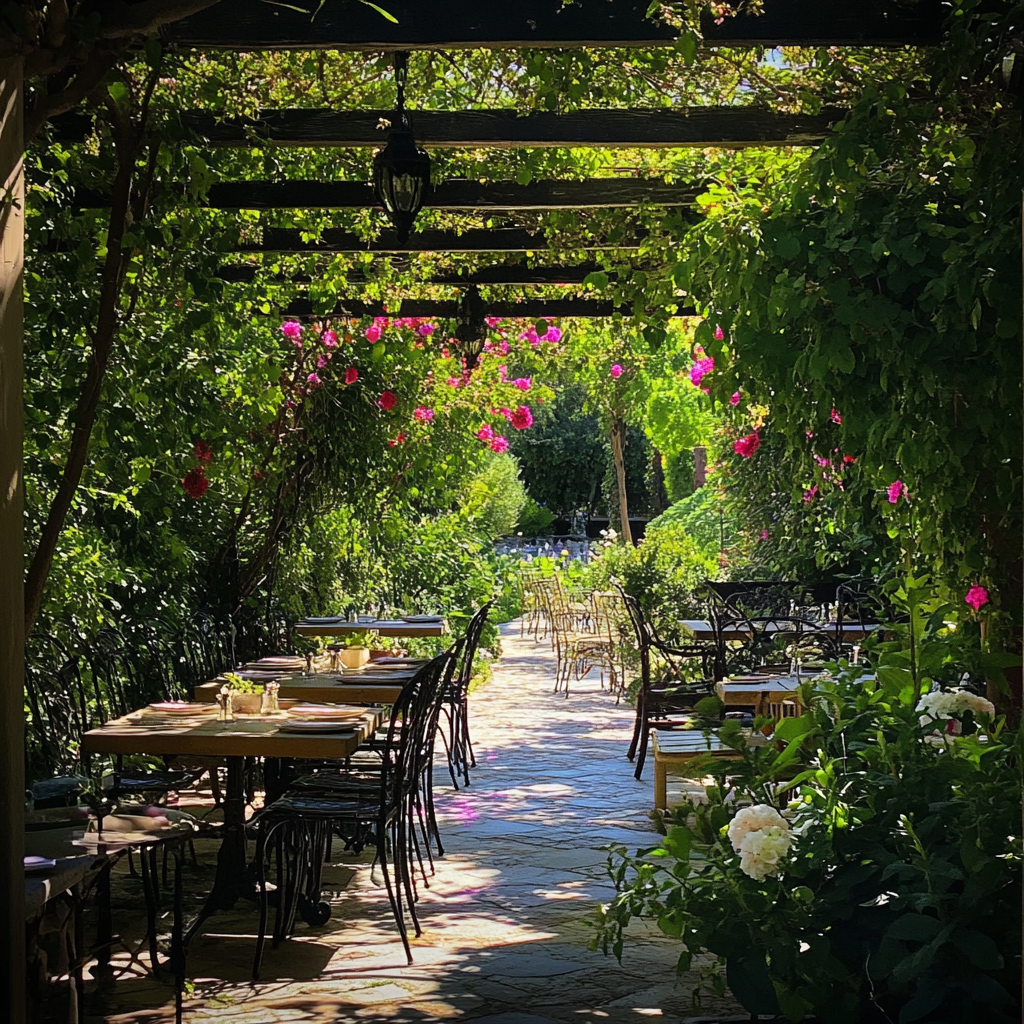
x,y
355,657
375,654
246,703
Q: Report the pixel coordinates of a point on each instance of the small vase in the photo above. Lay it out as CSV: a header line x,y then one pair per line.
x,y
355,657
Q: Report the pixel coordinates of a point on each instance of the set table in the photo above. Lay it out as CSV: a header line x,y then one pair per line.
x,y
205,735
698,629
382,627
747,690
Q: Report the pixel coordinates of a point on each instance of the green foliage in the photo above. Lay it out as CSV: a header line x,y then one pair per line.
x,y
494,499
702,517
534,520
678,470
891,905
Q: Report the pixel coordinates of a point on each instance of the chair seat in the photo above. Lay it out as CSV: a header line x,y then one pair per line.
x,y
149,781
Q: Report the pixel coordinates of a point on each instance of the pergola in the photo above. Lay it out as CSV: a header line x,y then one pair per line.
x,y
457,24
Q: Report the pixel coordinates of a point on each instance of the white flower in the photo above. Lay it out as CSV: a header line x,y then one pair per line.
x,y
750,819
762,850
944,704
968,701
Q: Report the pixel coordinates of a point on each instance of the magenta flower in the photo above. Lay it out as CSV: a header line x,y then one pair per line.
x,y
503,373
387,400
523,383
765,535
521,418
504,346
821,461
554,335
810,494
330,339
734,399
426,330
747,446
492,321
976,597
616,371
895,491
835,417
498,444
485,433
700,369
291,330
454,382
423,414
321,362
314,379
719,334
372,333
351,375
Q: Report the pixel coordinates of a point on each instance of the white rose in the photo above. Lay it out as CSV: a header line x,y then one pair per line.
x,y
968,701
763,849
936,705
750,819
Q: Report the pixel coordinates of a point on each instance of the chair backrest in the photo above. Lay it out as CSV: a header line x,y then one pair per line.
x,y
459,685
780,640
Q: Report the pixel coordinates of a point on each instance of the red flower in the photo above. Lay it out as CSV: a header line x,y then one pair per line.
x,y
195,482
387,400
396,441
521,418
203,452
351,375
747,446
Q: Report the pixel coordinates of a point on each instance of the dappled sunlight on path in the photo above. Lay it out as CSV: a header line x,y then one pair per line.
x,y
504,930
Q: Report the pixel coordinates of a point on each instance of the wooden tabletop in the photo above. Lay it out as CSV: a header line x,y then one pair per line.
x,y
700,630
747,691
328,689
208,737
382,627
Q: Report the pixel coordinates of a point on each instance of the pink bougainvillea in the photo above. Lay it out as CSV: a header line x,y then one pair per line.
x,y
314,379
700,369
486,432
719,334
330,339
351,375
734,399
498,444
747,446
616,371
976,597
522,418
423,414
292,330
523,383
895,491
387,400
810,494
372,333
426,330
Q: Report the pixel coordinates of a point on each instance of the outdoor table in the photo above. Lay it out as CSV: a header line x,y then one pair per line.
x,y
747,691
677,747
351,688
382,627
698,629
206,736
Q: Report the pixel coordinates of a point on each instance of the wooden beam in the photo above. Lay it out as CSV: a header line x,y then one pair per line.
x,y
455,195
496,275
530,309
337,240
12,563
468,24
729,127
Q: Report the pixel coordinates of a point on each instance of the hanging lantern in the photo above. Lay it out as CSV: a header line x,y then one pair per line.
x,y
401,170
471,326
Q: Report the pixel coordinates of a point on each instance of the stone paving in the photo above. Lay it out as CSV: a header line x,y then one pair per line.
x,y
505,933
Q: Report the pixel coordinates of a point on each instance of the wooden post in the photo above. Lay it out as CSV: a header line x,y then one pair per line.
x,y
12,570
700,467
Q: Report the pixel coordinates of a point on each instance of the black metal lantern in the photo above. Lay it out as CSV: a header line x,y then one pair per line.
x,y
471,326
401,170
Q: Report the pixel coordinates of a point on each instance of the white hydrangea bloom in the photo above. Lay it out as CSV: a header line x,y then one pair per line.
x,y
968,701
944,704
750,819
762,850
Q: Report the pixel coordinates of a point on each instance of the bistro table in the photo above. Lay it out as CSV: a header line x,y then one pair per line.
x,y
698,629
747,690
382,627
676,748
350,688
205,735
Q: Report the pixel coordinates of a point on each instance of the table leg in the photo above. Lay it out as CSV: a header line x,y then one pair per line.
x,y
230,880
660,784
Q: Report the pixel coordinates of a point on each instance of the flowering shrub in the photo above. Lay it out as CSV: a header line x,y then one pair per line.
x,y
869,878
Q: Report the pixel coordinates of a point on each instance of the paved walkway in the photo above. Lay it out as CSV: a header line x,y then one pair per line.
x,y
505,933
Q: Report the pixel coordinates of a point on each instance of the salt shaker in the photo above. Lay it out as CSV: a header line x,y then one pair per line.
x,y
268,703
224,704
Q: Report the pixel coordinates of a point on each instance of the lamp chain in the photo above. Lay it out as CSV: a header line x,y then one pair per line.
x,y
401,73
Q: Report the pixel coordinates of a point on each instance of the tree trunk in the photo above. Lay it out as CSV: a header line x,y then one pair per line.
x,y
108,321
700,467
618,457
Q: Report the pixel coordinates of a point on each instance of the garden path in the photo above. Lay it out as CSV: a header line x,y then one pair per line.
x,y
504,930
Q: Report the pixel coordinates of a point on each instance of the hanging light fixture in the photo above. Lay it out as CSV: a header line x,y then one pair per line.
x,y
401,170
471,326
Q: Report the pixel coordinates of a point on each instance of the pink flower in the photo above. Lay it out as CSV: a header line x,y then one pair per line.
x,y
976,597
330,339
492,321
719,334
553,335
835,417
321,362
455,382
523,383
521,418
498,444
387,400
396,441
503,345
810,494
372,333
616,371
700,369
503,373
291,330
895,491
765,535
821,461
734,399
314,379
485,433
423,414
351,375
426,330
747,446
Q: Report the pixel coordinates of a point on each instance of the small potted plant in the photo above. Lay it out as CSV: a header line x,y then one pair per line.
x,y
357,649
246,696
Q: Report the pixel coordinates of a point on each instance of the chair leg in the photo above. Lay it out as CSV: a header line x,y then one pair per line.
x,y
642,753
393,889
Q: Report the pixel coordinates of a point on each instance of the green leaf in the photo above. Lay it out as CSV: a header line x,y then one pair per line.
x,y
750,983
914,928
380,10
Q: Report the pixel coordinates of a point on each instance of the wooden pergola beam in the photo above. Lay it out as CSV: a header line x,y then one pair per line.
x,y
456,195
496,275
337,240
529,309
729,127
468,24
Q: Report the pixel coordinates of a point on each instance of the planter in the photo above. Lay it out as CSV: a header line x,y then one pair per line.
x,y
355,657
375,654
246,703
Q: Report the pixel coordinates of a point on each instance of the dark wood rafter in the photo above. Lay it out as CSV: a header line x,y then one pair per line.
x,y
495,275
528,309
462,24
455,195
337,240
729,127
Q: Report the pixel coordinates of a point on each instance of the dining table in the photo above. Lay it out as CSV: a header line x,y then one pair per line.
x,y
360,686
413,627
699,629
747,690
198,730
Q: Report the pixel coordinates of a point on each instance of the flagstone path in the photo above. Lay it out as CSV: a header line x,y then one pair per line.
x,y
505,933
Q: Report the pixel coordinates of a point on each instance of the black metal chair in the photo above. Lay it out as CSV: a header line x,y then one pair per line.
x,y
666,698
